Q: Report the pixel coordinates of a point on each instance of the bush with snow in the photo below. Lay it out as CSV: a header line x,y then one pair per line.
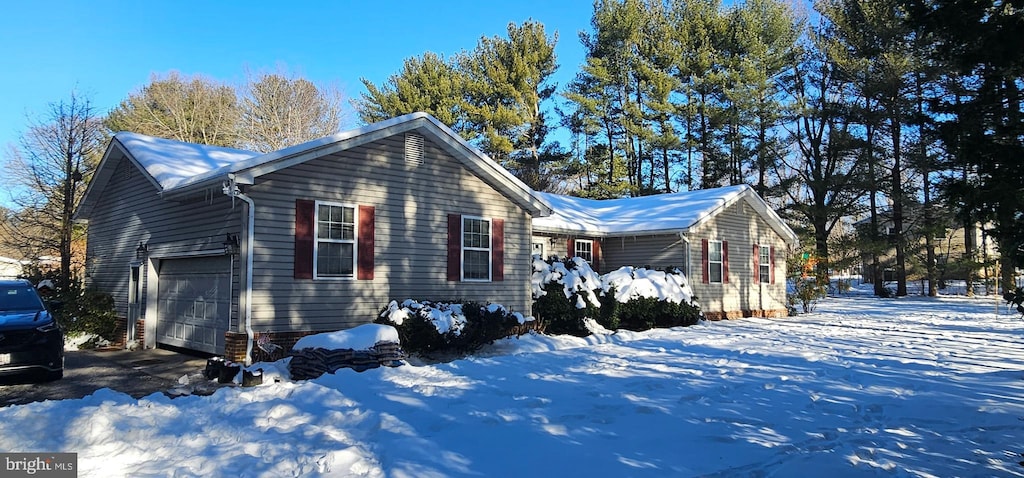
x,y
566,293
427,327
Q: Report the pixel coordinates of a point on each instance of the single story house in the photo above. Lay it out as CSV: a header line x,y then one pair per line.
x,y
215,249
730,244
205,247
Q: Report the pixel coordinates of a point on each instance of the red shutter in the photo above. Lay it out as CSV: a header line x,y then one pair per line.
x,y
725,262
497,249
704,261
454,247
597,255
771,260
571,247
364,262
305,214
757,264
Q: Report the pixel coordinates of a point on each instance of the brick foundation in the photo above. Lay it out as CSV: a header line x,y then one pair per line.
x,y
121,332
739,314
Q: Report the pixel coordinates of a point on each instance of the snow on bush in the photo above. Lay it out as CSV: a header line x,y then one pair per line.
x,y
579,279
446,317
627,282
426,326
637,283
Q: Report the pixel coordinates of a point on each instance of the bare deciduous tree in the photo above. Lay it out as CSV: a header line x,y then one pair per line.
x,y
195,110
280,110
46,174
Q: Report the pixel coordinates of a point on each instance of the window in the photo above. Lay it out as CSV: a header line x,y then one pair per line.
x,y
538,249
764,262
584,249
476,248
335,253
715,261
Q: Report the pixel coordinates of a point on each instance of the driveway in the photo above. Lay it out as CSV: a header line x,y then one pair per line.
x,y
136,373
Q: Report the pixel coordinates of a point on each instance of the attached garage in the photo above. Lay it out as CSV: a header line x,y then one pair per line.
x,y
194,303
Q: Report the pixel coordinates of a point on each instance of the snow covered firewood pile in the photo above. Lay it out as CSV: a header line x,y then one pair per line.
x,y
361,348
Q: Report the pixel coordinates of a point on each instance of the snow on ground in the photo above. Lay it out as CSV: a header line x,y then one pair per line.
x,y
863,387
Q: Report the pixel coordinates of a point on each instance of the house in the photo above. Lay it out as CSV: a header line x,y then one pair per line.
x,y
206,247
214,249
951,242
730,244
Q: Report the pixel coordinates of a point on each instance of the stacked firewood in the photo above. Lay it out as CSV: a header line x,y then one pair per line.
x,y
311,363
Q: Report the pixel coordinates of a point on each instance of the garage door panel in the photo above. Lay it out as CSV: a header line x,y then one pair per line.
x,y
194,303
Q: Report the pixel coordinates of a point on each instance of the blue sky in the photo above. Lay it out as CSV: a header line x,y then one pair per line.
x,y
107,49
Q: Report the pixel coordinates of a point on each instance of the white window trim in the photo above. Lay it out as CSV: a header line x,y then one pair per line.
x,y
576,248
463,248
317,240
720,262
533,248
763,251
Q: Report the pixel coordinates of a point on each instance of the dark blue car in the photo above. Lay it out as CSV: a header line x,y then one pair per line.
x,y
31,341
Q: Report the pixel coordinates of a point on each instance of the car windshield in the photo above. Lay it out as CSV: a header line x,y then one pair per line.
x,y
19,297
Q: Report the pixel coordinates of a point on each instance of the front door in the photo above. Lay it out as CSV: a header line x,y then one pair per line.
x,y
134,299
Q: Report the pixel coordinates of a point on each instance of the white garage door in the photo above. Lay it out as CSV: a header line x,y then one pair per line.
x,y
194,303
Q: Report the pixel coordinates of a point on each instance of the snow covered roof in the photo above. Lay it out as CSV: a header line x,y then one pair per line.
x,y
172,163
177,168
660,213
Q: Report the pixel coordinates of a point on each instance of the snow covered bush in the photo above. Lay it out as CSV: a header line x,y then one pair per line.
x,y
566,293
651,298
427,327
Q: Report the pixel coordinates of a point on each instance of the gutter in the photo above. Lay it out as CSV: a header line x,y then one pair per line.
x,y
231,189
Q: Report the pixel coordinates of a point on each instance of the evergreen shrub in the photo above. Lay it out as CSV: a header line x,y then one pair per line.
x,y
469,325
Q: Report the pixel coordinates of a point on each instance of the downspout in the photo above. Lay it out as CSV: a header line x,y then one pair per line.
x,y
686,257
231,189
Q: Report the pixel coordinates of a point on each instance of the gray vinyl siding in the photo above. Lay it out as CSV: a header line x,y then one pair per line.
x,y
738,224
411,206
657,252
553,245
742,227
129,211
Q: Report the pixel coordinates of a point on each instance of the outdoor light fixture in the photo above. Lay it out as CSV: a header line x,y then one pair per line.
x,y
142,250
231,244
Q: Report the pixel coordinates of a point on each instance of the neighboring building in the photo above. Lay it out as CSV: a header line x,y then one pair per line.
x,y
203,247
950,243
730,244
10,268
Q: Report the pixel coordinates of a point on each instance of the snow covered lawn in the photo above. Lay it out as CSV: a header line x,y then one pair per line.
x,y
864,387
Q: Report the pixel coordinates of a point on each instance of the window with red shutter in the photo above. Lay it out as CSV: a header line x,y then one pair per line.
x,y
303,260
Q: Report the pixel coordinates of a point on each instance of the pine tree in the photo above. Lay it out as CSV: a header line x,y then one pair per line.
x,y
428,83
981,121
872,44
507,83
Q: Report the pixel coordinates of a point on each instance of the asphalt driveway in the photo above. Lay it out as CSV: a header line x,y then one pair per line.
x,y
136,373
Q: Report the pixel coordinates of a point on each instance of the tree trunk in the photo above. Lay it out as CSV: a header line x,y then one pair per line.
x,y
929,220
876,270
897,205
